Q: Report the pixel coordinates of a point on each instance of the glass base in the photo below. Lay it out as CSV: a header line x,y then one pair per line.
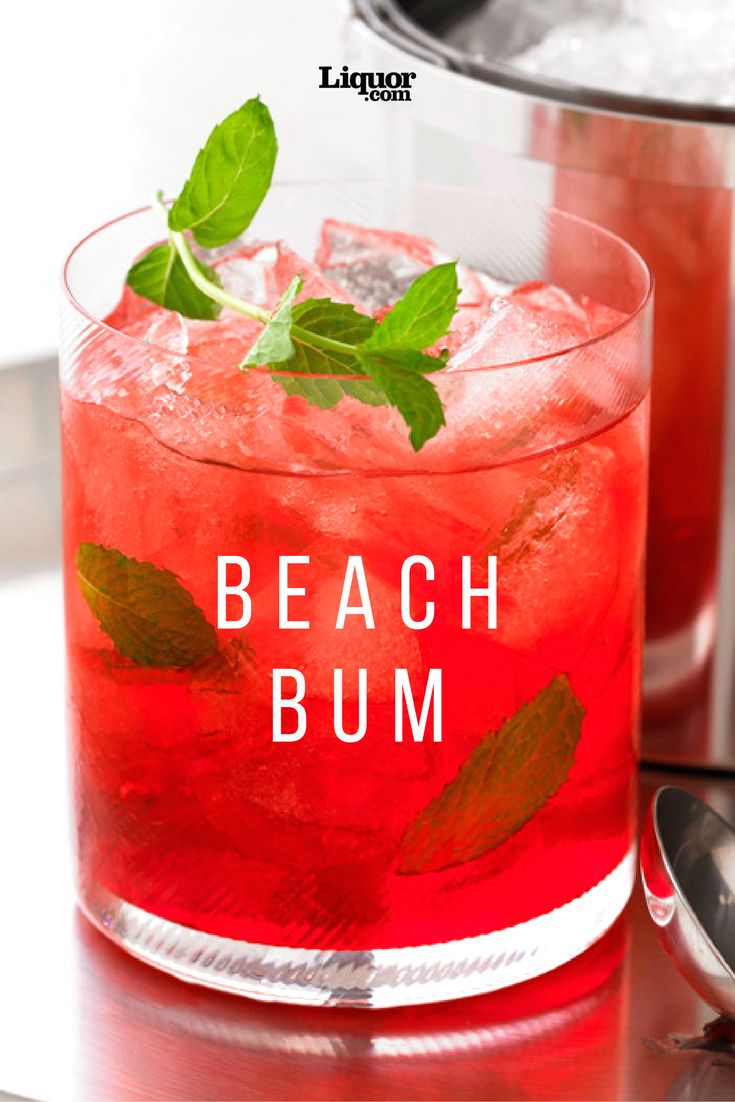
x,y
364,978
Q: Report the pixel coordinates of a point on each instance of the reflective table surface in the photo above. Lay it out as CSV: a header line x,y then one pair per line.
x,y
79,1020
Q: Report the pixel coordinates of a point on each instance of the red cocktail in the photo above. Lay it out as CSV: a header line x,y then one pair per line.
x,y
452,810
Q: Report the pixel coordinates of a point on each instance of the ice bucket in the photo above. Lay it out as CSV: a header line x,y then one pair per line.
x,y
661,174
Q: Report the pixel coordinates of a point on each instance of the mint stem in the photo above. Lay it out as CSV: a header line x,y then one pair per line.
x,y
318,340
217,294
240,306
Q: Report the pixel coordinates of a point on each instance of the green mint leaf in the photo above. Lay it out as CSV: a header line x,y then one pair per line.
x,y
274,344
147,613
408,359
161,277
415,397
506,779
230,177
325,318
423,315
338,321
325,393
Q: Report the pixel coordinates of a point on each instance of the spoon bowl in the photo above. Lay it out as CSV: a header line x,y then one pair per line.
x,y
688,874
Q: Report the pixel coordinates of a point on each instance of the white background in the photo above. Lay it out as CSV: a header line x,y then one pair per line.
x,y
102,103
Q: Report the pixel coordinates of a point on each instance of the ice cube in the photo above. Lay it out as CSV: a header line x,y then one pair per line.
x,y
520,328
602,375
564,528
549,299
117,371
378,266
602,319
317,283
608,378
375,266
528,376
344,242
249,273
167,329
260,272
376,281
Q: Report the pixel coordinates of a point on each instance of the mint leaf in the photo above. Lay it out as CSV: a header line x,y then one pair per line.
x,y
161,277
423,315
145,610
413,395
230,177
274,343
325,393
337,321
409,359
506,779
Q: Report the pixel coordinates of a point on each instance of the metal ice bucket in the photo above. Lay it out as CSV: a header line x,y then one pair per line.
x,y
662,174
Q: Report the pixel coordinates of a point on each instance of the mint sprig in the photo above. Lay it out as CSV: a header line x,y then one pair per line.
x,y
319,349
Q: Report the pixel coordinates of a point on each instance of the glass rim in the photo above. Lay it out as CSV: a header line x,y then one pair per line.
x,y
317,183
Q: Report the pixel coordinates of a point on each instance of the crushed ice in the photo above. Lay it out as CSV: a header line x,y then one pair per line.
x,y
678,49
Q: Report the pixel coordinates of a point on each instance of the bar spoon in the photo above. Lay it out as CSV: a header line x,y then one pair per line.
x,y
688,874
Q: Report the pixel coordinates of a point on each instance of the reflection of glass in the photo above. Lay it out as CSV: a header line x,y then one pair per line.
x,y
710,1077
202,843
146,1036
